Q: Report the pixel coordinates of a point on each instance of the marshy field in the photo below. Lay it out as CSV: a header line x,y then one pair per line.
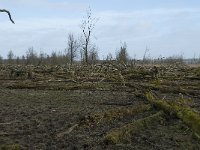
x,y
103,106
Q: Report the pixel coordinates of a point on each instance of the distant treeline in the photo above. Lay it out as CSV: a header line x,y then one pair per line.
x,y
61,58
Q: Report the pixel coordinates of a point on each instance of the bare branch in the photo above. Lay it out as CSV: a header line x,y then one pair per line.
x,y
10,17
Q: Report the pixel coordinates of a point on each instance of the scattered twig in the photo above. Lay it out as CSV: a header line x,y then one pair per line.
x,y
155,145
10,17
6,123
68,131
117,104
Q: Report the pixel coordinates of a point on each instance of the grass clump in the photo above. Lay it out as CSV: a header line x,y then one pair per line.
x,y
10,147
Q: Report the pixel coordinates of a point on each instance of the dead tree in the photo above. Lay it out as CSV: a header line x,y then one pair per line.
x,y
122,55
72,47
10,17
87,27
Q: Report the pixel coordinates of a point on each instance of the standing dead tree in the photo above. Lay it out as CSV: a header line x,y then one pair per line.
x,y
122,55
72,47
87,27
10,17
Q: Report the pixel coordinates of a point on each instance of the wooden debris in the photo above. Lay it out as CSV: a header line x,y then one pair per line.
x,y
66,132
183,112
119,135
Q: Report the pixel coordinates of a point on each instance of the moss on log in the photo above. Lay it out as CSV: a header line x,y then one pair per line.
x,y
118,135
185,113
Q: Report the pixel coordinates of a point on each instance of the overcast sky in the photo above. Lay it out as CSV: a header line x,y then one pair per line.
x,y
166,27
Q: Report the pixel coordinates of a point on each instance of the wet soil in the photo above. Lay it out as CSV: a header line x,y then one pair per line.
x,y
36,114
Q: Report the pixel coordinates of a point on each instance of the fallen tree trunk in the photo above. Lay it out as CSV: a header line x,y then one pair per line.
x,y
118,135
185,113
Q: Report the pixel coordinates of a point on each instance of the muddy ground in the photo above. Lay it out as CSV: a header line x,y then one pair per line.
x,y
58,109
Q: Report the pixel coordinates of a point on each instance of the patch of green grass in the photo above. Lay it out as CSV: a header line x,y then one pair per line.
x,y
10,147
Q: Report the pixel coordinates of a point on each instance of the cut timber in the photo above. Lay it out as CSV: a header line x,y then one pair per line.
x,y
118,135
68,131
66,81
185,113
104,117
117,104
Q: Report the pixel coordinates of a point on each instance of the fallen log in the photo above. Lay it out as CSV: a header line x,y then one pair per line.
x,y
185,113
118,135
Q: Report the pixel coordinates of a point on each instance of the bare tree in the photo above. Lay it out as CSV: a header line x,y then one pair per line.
x,y
1,60
31,56
54,58
23,60
10,57
41,58
87,27
122,54
6,11
93,55
109,57
72,47
145,55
